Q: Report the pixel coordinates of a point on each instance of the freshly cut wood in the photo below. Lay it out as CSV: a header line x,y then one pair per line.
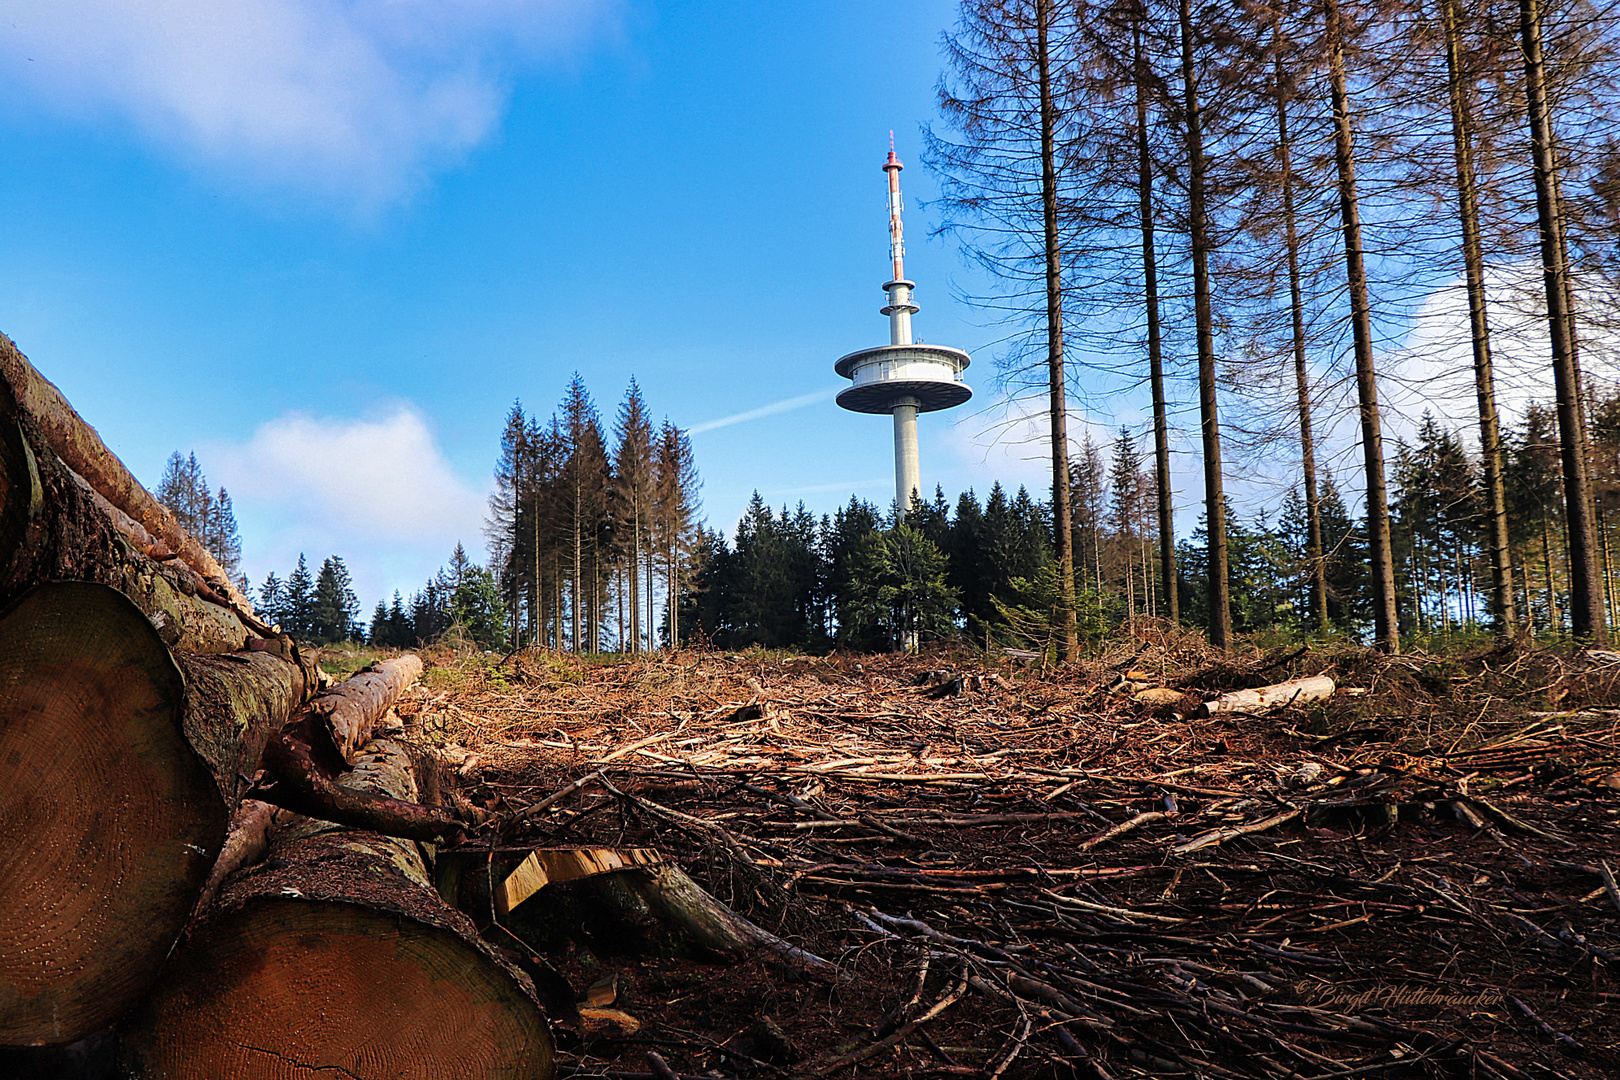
x,y
548,866
108,819
344,716
76,443
1270,698
120,766
335,956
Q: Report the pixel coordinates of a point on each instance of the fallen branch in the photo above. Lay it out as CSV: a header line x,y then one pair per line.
x,y
1220,836
1270,698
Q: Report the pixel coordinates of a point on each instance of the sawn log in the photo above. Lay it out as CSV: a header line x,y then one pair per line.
x,y
336,956
120,765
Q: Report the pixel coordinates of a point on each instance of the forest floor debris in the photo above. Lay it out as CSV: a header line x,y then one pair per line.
x,y
1034,874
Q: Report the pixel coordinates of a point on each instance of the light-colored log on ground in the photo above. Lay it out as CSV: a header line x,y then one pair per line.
x,y
1270,698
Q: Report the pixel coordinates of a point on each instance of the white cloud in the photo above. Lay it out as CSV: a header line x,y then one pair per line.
x,y
1433,369
354,99
377,491
1008,439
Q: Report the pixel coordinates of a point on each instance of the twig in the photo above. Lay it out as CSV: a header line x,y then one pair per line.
x,y
1218,836
1145,818
554,798
946,1000
1609,885
1124,913
1546,1028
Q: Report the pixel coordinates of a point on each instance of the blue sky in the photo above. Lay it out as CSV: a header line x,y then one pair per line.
x,y
326,243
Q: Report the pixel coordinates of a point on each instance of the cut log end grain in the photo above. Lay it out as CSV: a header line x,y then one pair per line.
x,y
108,820
289,988
336,957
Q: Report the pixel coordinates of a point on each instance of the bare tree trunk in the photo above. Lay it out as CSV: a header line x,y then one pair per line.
x,y
674,623
1220,603
1314,558
1150,288
635,574
1387,626
1490,436
1554,617
1068,641
1585,601
577,570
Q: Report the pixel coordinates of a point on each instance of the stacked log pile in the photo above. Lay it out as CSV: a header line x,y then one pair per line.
x,y
143,707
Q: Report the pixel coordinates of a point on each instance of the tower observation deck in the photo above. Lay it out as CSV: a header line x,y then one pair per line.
x,y
902,378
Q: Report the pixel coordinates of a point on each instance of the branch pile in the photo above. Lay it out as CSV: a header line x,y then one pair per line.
x,y
1042,876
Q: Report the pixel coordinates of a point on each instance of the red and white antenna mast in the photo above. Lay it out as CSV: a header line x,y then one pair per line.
x,y
900,308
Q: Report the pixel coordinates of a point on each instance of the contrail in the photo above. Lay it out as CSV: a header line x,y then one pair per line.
x,y
764,410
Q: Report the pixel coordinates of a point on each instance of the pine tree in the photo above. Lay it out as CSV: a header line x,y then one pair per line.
x,y
634,485
333,605
272,604
1585,595
209,518
898,589
1006,185
298,602
584,497
675,509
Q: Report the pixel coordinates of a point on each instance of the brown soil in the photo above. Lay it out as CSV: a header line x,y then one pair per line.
x,y
1423,893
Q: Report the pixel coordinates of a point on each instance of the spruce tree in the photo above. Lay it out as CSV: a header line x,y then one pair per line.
x,y
298,602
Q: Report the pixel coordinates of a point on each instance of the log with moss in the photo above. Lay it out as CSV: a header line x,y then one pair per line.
x,y
70,511
336,956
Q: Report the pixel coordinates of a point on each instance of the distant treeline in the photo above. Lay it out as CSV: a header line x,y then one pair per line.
x,y
567,514
865,579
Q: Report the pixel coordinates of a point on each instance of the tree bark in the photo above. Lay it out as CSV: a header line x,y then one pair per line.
x,y
1385,620
120,765
1490,435
298,782
1150,288
1585,601
343,717
1062,525
1220,603
81,449
385,980
54,526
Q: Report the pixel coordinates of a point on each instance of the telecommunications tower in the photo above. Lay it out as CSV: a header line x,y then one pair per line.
x,y
903,377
